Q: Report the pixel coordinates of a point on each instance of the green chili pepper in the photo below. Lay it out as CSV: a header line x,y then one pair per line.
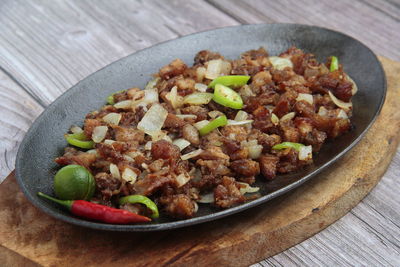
x,y
334,64
110,98
227,97
142,200
79,140
74,182
218,122
284,145
230,80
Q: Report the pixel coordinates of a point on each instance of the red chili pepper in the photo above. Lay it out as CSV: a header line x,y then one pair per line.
x,y
98,212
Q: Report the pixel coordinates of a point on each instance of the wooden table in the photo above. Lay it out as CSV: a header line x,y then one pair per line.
x,y
48,46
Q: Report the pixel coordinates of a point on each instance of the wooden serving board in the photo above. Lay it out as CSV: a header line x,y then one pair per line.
x,y
28,237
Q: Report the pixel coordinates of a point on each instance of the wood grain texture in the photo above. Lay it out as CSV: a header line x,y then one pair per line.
x,y
252,235
18,110
47,46
375,23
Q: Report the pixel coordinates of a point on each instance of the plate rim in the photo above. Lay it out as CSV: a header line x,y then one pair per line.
x,y
205,218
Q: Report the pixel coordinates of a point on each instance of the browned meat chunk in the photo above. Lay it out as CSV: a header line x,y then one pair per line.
x,y
268,165
175,68
190,133
127,134
89,125
153,182
179,206
172,121
163,149
73,156
107,185
245,167
214,167
204,56
227,194
213,153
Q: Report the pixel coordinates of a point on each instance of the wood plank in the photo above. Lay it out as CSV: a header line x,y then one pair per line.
x,y
377,27
61,42
18,110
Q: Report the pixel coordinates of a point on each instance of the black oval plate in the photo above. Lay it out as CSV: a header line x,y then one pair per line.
x,y
44,141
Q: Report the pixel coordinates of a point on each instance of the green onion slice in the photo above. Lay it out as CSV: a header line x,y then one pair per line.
x,y
230,80
334,64
110,98
218,122
133,199
79,140
285,145
227,97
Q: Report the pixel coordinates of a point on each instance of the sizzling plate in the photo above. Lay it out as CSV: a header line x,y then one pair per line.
x,y
44,141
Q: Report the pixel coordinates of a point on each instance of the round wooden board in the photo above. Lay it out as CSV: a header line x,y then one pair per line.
x,y
238,240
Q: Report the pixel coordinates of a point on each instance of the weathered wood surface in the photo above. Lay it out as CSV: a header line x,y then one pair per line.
x,y
47,46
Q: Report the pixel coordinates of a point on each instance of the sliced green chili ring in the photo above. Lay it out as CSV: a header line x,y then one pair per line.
x,y
227,97
230,80
334,64
214,124
133,199
110,98
285,145
79,140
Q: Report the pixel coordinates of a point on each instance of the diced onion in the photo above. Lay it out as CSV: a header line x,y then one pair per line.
x,y
241,115
354,88
181,143
214,69
147,146
129,175
200,72
201,87
186,116
280,63
341,104
128,158
247,188
288,117
175,99
305,153
192,154
322,111
99,133
182,179
108,142
198,98
114,171
274,119
215,113
305,97
200,124
153,120
92,151
255,151
206,198
76,129
234,122
245,91
150,96
126,104
151,84
342,114
112,118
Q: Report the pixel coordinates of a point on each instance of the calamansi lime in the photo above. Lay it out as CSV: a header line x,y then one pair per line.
x,y
74,182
